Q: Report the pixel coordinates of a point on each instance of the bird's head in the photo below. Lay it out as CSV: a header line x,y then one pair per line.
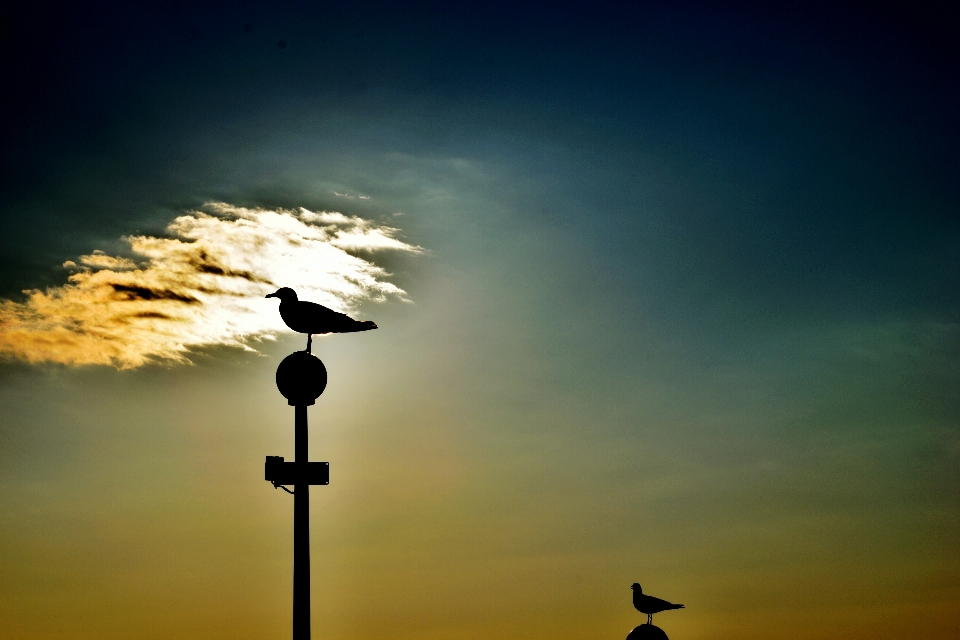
x,y
286,294
636,587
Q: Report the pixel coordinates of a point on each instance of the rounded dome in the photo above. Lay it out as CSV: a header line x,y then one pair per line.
x,y
301,378
647,632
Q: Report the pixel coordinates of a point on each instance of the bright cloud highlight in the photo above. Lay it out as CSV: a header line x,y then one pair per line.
x,y
202,286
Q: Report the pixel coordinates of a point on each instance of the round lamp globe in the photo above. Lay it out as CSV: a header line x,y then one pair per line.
x,y
647,632
301,378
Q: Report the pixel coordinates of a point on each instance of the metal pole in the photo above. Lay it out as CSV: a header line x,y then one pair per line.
x,y
301,530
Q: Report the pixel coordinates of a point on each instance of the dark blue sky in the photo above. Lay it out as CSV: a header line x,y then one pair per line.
x,y
808,146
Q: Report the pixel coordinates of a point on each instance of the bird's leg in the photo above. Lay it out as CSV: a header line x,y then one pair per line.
x,y
309,341
649,618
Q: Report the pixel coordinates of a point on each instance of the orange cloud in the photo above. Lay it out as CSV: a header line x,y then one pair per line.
x,y
203,285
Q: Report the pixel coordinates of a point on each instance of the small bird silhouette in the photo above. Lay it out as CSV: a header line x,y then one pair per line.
x,y
312,318
650,605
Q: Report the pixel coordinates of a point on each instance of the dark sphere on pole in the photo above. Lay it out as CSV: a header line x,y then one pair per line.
x,y
647,632
301,378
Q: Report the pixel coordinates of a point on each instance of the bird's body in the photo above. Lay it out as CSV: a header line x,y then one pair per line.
x,y
314,319
650,605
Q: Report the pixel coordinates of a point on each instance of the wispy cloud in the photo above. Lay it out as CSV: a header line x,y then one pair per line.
x,y
203,285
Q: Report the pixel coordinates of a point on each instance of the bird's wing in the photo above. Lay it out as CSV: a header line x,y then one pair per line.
x,y
665,604
649,604
326,320
319,311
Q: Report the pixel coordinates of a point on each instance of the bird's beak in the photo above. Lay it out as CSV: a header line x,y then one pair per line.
x,y
270,295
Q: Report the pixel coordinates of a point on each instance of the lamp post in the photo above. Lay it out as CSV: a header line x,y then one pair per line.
x,y
301,378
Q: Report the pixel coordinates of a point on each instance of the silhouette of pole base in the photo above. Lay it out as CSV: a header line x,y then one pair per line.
x,y
301,532
647,632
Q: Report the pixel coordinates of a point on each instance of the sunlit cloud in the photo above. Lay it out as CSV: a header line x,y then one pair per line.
x,y
203,285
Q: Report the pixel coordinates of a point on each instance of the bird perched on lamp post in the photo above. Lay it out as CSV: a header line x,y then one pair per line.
x,y
314,319
650,605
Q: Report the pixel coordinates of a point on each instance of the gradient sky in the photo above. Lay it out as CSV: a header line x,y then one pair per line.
x,y
668,293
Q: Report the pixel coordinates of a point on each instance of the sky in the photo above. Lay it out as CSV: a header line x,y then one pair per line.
x,y
667,293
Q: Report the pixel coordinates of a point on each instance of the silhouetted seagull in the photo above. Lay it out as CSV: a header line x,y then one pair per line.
x,y
312,318
650,605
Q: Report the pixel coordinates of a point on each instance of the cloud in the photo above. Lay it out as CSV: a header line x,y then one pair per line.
x,y
203,285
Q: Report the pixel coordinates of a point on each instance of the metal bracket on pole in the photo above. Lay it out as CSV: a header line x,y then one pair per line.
x,y
278,472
